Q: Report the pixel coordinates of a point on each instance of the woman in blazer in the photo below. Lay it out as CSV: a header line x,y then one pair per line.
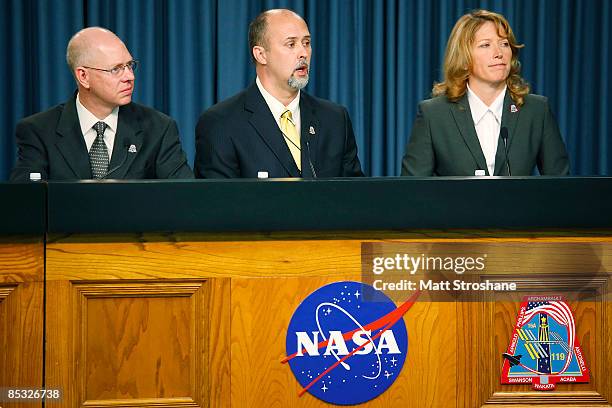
x,y
482,119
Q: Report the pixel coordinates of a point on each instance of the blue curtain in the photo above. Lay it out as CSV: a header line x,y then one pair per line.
x,y
377,57
33,72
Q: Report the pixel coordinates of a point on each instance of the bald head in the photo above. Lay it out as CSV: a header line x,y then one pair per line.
x,y
103,69
90,45
259,26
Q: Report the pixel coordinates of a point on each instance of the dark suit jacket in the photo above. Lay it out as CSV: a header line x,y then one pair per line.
x,y
444,140
51,143
239,137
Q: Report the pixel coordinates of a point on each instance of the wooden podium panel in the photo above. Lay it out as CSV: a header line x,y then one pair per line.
x,y
258,345
130,343
21,317
200,320
593,333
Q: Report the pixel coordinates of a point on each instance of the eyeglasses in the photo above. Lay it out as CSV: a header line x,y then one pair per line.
x,y
118,70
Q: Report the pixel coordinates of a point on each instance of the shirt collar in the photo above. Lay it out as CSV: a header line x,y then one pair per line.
x,y
276,107
479,108
88,119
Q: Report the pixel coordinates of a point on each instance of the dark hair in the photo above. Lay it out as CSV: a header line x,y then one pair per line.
x,y
257,32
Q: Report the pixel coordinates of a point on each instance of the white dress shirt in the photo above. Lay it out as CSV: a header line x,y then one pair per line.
x,y
87,120
487,121
277,108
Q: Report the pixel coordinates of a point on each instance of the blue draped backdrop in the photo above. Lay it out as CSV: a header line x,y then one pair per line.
x,y
377,57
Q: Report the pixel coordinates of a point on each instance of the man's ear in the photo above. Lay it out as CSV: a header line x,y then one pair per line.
x,y
259,53
82,77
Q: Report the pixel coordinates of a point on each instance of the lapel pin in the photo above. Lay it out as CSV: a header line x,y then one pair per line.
x,y
513,108
311,130
132,149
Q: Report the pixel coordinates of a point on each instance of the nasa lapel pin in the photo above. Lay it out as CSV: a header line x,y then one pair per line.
x,y
311,130
513,108
132,148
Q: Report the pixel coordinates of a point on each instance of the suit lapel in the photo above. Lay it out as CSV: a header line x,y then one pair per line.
x,y
71,143
128,134
465,123
309,134
265,125
510,115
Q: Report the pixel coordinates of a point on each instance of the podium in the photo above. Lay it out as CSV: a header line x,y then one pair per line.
x,y
179,294
22,234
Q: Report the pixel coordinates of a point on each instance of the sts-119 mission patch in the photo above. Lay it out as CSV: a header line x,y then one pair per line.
x,y
544,350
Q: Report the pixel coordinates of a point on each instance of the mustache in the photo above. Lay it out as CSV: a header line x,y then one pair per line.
x,y
301,64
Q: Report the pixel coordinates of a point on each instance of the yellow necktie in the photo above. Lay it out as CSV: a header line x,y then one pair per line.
x,y
292,138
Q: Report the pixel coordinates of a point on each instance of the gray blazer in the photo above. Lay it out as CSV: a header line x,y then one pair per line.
x,y
444,140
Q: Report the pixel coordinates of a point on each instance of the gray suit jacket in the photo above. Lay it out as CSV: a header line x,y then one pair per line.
x,y
444,141
146,146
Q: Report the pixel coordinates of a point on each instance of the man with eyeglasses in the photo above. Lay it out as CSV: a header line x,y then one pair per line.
x,y
273,129
99,133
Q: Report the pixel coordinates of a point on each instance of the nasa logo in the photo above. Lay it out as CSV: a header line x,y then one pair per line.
x,y
345,350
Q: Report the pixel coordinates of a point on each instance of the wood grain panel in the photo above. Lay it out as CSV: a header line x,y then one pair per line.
x,y
158,260
261,311
219,364
21,262
137,347
21,317
189,259
133,344
255,282
469,343
61,360
21,333
429,377
592,331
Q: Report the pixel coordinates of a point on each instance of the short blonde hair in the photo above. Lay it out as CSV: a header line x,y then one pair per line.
x,y
458,57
